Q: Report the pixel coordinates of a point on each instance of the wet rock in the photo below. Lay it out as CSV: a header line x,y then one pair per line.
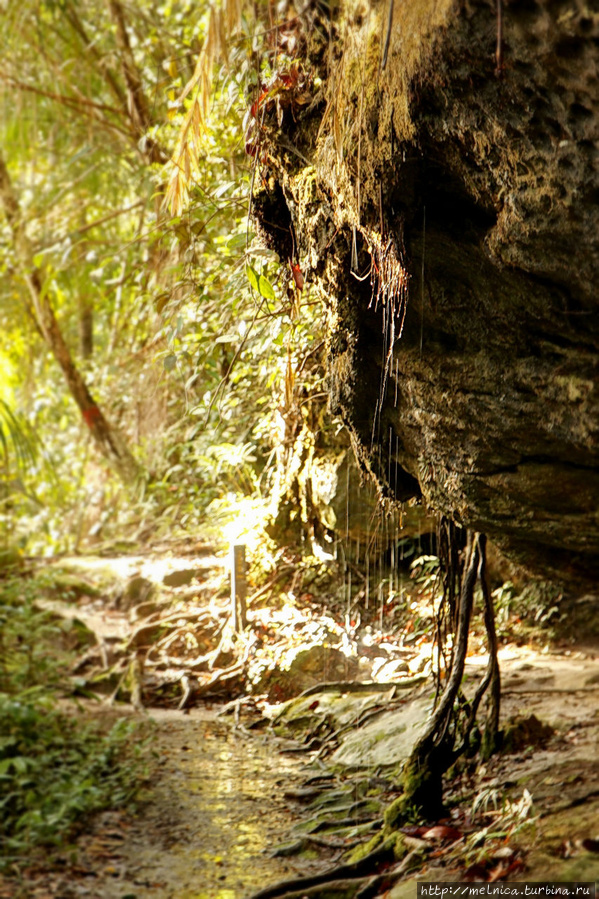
x,y
180,578
305,667
389,670
386,741
338,708
478,221
136,591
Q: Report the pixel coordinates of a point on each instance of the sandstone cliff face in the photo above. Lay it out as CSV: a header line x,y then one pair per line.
x,y
449,215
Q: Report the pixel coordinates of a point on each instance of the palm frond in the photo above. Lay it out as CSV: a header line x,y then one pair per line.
x,y
18,443
223,22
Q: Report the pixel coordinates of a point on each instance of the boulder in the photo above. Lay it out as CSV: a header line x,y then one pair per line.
x,y
304,667
443,200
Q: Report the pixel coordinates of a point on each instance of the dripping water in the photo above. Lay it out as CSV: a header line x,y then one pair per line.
x,y
347,571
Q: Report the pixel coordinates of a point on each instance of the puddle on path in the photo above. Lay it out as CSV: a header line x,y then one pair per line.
x,y
215,814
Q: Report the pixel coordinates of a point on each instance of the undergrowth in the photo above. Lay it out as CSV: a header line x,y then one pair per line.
x,y
56,767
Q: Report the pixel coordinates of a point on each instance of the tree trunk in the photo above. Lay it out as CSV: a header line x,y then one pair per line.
x,y
86,328
110,443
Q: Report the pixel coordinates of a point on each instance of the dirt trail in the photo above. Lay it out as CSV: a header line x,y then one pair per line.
x,y
214,811
216,806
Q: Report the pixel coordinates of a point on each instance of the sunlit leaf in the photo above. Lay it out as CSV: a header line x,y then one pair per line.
x,y
253,278
238,241
265,288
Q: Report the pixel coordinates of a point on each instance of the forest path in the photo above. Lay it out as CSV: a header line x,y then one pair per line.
x,y
215,808
217,802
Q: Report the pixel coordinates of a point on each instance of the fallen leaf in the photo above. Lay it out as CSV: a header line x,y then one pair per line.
x,y
442,832
498,872
503,852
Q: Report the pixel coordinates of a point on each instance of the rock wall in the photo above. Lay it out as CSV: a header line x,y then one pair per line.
x,y
441,190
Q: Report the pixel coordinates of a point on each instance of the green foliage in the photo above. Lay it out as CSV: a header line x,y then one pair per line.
x,y
17,444
198,356
55,768
54,771
30,639
425,572
18,457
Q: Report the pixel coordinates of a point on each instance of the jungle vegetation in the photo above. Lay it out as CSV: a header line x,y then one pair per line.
x,y
162,367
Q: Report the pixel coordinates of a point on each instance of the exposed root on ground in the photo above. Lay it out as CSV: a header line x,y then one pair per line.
x,y
347,879
450,732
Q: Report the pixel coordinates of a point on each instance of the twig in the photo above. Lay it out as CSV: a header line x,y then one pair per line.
x,y
363,686
224,674
186,684
284,569
107,218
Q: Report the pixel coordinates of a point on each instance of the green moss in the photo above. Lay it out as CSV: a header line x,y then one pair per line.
x,y
364,849
422,794
68,585
416,778
394,814
400,850
491,742
522,732
309,854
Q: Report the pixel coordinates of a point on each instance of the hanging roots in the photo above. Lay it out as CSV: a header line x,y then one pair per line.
x,y
451,728
389,280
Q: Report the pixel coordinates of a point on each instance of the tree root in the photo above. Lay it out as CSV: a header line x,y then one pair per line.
x,y
355,881
432,755
223,675
362,687
338,823
343,875
305,842
451,730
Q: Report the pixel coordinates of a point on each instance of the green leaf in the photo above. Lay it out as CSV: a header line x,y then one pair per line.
x,y
265,288
238,241
253,277
259,283
20,764
170,362
161,302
